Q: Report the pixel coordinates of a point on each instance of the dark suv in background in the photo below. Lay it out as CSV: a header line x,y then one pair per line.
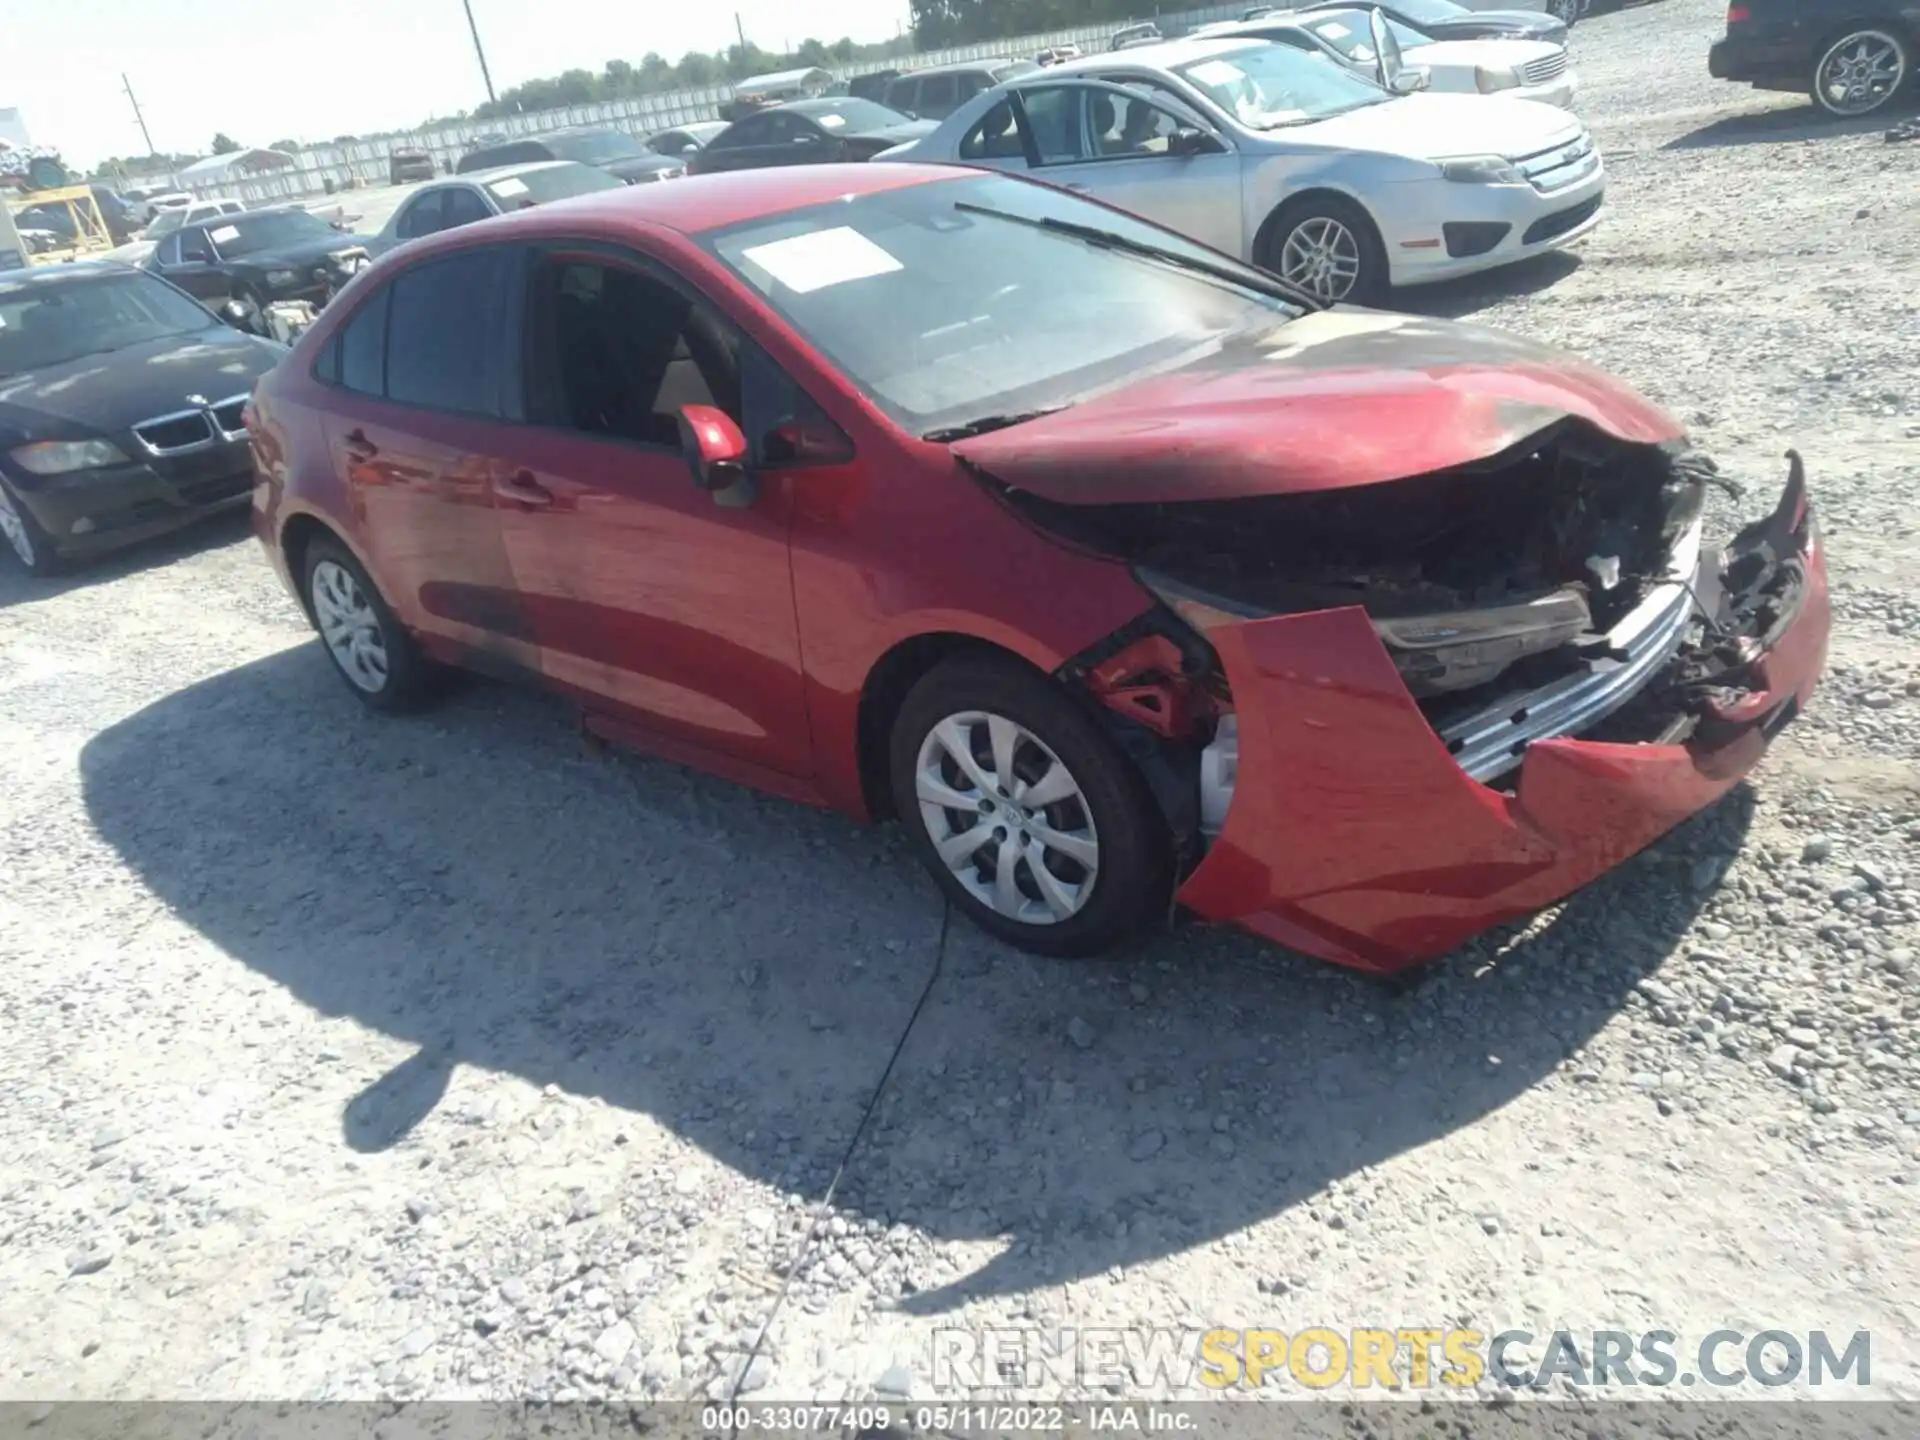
x,y
614,151
939,90
1853,57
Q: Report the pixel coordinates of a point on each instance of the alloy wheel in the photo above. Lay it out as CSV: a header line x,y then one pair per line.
x,y
1860,73
14,526
350,627
1007,818
1322,257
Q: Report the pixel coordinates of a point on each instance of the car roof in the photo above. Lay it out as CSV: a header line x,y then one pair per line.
x,y
701,203
491,173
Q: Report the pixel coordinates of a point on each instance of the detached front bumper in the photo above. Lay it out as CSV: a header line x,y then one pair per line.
x,y
1355,836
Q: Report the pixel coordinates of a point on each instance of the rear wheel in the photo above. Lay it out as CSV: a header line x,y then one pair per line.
x,y
1328,247
367,644
1860,72
1025,813
24,537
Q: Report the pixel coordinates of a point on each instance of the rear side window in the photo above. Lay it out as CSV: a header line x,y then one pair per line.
x,y
463,207
939,96
423,216
443,338
994,138
903,95
363,346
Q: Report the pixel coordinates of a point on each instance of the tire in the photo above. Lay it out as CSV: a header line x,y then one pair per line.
x,y
1104,866
1333,229
1860,71
371,651
22,538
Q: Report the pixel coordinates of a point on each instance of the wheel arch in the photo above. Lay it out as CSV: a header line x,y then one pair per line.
x,y
297,535
1264,236
889,680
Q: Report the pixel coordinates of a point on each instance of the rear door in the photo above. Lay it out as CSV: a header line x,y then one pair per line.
x,y
663,605
417,415
1114,143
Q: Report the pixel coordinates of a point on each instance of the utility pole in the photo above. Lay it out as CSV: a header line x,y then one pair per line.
x,y
482,54
127,85
741,31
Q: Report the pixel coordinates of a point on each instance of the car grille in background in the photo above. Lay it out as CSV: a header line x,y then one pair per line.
x,y
1561,221
1544,71
189,430
1565,164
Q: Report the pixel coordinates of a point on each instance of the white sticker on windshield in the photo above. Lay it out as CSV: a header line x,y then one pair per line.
x,y
1215,72
224,234
805,263
830,122
508,188
1333,30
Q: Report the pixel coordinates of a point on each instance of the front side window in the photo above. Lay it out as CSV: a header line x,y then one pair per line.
x,y
754,130
614,352
195,248
985,315
443,339
1053,115
1123,126
939,94
46,323
165,223
1268,86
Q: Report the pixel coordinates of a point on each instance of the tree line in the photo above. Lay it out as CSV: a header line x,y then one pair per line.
x,y
938,23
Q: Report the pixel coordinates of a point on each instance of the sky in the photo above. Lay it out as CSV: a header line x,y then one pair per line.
x,y
265,70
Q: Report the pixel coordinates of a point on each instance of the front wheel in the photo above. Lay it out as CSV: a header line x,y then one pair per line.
x,y
1026,814
24,537
1859,72
1328,247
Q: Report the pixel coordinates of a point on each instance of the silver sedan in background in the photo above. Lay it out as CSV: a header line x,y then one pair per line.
x,y
1278,154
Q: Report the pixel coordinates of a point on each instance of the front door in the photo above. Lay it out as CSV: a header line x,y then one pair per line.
x,y
187,259
661,604
1114,143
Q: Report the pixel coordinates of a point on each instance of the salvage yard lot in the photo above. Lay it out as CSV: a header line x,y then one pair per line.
x,y
343,1057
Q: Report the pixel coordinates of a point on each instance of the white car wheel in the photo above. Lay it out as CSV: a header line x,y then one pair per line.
x,y
1321,256
350,627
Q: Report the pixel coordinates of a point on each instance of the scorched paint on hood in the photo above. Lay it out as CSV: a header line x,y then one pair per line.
x,y
1337,398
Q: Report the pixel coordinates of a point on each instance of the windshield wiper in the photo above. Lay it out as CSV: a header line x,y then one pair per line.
x,y
981,424
1257,281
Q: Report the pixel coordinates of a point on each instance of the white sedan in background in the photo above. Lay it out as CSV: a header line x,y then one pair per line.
x,y
1518,69
1278,154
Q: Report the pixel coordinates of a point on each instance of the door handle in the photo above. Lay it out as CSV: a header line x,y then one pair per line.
x,y
358,447
522,489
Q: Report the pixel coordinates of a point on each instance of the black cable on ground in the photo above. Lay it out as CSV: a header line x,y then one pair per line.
x,y
853,1144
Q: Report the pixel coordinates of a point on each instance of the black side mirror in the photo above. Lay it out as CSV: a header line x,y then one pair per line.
x,y
232,312
1189,141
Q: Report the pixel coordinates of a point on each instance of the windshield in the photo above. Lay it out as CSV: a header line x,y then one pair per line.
x,y
549,183
165,223
46,323
1266,86
943,317
1429,12
851,116
239,235
595,149
1351,32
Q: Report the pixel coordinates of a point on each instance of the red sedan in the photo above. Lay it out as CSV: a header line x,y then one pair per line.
x,y
1117,572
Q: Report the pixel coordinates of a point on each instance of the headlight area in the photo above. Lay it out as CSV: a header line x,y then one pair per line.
x,y
1536,594
1481,170
63,457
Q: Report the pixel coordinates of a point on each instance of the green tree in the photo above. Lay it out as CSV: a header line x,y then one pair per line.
x,y
287,145
225,144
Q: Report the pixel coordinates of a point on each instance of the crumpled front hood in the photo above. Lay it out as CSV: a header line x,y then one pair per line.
x,y
1338,398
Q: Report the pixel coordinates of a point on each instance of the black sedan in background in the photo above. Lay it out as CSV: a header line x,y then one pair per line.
x,y
1444,20
1853,57
613,151
120,403
259,257
808,132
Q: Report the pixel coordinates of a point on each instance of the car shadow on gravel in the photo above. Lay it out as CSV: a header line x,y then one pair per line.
x,y
478,883
17,587
1458,299
1781,125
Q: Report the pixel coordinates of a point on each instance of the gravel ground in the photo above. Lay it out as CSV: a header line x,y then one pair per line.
x,y
349,1057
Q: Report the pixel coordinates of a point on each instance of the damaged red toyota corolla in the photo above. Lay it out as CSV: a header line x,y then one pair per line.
x,y
1117,573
